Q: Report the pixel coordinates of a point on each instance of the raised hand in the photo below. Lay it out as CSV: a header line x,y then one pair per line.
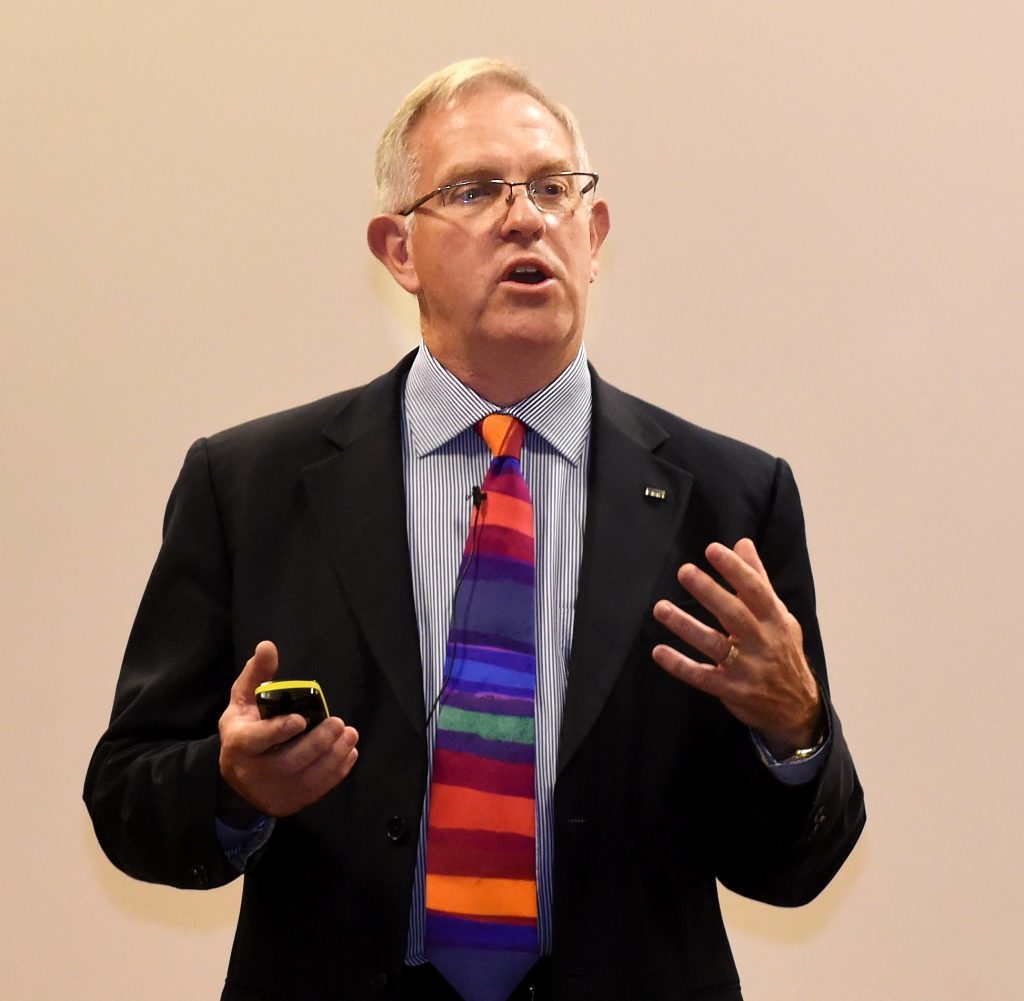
x,y
757,665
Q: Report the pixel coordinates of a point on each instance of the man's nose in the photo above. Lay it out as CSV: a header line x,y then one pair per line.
x,y
522,216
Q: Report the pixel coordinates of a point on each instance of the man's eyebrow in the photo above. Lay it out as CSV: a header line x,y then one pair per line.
x,y
466,172
474,172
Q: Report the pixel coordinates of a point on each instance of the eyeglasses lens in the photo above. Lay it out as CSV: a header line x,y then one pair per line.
x,y
556,193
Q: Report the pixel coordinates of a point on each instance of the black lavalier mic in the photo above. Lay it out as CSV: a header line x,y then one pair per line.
x,y
478,496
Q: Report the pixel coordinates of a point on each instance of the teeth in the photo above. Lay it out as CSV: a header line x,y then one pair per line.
x,y
527,274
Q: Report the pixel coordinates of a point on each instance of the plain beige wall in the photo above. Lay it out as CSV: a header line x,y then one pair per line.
x,y
818,245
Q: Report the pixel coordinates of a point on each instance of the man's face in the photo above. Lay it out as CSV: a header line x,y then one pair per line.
x,y
475,314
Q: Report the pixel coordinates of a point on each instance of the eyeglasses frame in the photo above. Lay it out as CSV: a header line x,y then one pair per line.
x,y
512,185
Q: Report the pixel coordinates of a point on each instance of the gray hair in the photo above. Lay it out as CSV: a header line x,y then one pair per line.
x,y
395,166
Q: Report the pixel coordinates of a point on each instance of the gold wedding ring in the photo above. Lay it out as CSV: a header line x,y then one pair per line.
x,y
734,652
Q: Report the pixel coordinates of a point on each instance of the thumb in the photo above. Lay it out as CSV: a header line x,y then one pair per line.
x,y
260,667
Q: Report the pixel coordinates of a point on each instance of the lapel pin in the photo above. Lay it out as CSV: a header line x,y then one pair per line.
x,y
656,492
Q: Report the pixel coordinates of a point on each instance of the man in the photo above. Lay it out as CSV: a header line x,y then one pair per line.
x,y
325,543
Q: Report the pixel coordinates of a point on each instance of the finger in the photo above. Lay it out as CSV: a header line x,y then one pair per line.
x,y
321,775
256,737
330,768
691,630
301,753
752,588
704,677
725,606
747,551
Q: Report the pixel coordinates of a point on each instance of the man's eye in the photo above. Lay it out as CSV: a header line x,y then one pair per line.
x,y
552,187
473,192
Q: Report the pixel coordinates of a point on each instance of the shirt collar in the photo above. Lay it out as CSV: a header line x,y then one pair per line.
x,y
438,407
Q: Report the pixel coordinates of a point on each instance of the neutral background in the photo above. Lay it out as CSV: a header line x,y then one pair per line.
x,y
817,245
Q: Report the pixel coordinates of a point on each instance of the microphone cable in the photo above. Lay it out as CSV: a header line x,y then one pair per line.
x,y
479,496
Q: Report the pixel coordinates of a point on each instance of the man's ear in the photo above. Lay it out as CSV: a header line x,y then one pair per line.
x,y
388,239
600,223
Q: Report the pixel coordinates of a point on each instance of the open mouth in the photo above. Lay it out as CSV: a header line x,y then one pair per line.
x,y
527,274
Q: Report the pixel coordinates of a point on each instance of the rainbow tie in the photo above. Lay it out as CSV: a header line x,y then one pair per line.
x,y
481,929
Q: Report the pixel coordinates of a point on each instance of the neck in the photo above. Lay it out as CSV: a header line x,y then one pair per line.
x,y
506,377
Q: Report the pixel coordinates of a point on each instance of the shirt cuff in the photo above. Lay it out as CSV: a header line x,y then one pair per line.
x,y
793,772
239,845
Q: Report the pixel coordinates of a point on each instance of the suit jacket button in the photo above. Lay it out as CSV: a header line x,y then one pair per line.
x,y
820,815
397,831
379,983
199,875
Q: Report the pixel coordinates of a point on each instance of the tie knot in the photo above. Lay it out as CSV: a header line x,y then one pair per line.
x,y
503,434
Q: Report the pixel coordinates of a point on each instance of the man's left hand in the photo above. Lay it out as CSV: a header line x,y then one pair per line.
x,y
766,683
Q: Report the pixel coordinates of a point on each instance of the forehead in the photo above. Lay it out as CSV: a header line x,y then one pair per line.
x,y
494,129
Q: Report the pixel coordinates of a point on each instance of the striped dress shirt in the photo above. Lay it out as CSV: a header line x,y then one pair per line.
x,y
443,459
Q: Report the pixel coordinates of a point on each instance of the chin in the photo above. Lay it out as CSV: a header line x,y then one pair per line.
x,y
533,333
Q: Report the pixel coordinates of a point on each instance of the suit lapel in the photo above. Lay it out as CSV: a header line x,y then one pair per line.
x,y
358,499
628,538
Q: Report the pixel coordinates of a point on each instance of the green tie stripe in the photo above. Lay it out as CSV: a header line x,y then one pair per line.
x,y
515,729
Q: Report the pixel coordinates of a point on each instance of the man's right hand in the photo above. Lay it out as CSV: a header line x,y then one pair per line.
x,y
274,778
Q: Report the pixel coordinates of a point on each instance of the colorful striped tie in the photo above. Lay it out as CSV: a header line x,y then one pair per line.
x,y
481,929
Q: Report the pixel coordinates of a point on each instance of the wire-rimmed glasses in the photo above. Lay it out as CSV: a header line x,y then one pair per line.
x,y
557,194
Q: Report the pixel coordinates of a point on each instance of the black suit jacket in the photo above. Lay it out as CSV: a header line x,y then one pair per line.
x,y
292,528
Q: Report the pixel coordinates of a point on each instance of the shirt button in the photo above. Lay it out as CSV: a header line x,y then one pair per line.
x,y
379,983
397,831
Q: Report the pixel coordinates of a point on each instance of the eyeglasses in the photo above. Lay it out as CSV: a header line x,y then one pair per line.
x,y
555,193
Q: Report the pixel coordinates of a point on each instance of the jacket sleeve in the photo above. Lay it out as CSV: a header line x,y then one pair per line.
x,y
152,782
778,843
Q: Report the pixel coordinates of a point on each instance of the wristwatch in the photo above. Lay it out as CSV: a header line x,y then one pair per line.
x,y
802,753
